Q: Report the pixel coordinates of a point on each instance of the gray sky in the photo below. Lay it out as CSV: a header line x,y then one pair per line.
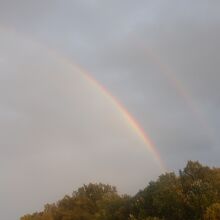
x,y
161,59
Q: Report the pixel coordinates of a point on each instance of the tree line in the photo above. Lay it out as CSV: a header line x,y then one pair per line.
x,y
192,194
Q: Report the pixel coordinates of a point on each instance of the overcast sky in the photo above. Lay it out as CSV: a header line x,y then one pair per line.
x,y
161,59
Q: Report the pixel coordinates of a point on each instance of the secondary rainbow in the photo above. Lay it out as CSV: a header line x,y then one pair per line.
x,y
183,91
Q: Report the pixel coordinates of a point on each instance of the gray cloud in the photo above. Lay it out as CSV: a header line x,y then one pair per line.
x,y
57,129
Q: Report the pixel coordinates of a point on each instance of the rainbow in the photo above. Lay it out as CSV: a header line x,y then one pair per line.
x,y
131,121
183,91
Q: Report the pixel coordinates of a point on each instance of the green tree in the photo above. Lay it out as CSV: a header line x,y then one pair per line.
x,y
162,198
199,187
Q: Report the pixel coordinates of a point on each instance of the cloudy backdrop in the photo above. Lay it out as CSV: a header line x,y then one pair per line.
x,y
161,59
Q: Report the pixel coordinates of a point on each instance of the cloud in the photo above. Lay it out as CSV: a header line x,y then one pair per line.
x,y
149,54
57,129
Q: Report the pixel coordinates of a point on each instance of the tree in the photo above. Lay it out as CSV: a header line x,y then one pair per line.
x,y
194,194
199,187
213,212
162,198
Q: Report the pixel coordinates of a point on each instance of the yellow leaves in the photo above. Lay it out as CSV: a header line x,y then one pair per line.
x,y
213,212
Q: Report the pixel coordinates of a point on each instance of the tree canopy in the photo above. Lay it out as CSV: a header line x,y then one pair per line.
x,y
193,194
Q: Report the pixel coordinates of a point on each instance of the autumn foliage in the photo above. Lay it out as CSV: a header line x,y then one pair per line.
x,y
193,194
